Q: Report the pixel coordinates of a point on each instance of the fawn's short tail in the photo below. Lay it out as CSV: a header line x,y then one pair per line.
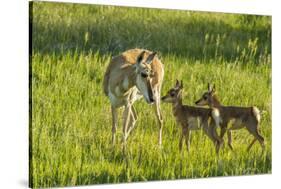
x,y
256,113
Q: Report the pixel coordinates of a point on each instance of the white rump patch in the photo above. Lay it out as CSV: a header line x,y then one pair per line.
x,y
257,114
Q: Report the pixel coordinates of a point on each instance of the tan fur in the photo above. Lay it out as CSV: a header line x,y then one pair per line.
x,y
122,65
192,118
240,117
120,85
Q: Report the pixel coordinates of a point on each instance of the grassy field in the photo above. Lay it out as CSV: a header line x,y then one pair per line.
x,y
70,128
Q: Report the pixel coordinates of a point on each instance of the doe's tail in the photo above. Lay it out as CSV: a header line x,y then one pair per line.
x,y
105,81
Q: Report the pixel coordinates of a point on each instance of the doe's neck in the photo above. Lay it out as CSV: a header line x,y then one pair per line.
x,y
133,78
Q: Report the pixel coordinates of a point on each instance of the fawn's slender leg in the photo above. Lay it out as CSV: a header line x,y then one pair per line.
x,y
114,123
253,129
215,123
223,130
181,140
190,137
207,130
252,143
229,139
187,138
213,135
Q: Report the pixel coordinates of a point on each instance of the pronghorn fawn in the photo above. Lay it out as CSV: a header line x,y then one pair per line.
x,y
240,117
134,74
191,118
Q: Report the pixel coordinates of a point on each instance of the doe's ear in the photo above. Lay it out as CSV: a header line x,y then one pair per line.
x,y
150,57
140,57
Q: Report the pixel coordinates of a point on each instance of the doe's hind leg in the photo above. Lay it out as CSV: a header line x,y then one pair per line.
x,y
114,123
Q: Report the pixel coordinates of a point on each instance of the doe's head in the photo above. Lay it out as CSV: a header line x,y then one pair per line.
x,y
174,94
144,75
207,97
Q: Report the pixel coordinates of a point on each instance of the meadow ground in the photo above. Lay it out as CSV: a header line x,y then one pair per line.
x,y
70,128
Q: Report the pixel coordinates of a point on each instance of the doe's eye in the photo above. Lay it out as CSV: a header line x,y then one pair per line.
x,y
144,75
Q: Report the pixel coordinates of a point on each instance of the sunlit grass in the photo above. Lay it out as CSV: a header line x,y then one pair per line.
x,y
71,119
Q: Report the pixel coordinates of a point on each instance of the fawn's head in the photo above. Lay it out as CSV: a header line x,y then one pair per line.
x,y
174,94
144,75
207,97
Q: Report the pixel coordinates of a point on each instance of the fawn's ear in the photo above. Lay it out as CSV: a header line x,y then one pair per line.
x,y
177,83
181,85
179,94
140,57
213,89
150,58
209,87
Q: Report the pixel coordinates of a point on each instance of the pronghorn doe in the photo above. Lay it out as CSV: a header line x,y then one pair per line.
x,y
192,118
129,76
248,117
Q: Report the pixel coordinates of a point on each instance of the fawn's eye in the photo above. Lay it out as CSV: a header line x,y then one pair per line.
x,y
144,75
205,97
172,93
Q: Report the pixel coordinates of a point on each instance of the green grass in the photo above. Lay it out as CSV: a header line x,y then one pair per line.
x,y
70,116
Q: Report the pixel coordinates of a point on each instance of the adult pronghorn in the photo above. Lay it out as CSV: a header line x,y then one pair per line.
x,y
129,76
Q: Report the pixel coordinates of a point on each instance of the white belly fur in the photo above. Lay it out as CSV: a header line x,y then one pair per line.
x,y
236,124
194,123
119,99
125,83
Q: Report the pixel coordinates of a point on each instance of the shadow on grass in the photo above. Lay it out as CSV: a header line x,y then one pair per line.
x,y
59,28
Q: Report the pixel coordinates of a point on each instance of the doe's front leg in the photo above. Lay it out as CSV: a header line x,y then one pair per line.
x,y
126,120
158,114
